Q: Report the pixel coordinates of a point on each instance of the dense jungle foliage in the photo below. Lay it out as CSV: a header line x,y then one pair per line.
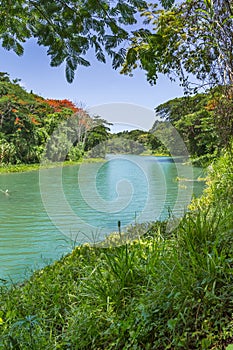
x,y
33,128
203,120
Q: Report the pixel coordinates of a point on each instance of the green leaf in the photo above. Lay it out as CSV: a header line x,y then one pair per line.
x,y
69,73
82,61
19,50
167,3
100,56
72,61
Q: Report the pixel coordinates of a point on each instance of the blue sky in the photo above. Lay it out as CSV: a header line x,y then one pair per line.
x,y
99,88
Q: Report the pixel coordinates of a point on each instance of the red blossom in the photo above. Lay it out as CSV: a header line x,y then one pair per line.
x,y
17,121
58,105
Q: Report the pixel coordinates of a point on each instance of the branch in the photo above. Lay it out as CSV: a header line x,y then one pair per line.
x,y
229,7
44,15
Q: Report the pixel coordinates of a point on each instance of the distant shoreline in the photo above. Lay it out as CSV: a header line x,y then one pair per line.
x,y
20,168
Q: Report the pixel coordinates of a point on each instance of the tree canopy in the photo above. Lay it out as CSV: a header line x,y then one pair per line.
x,y
70,28
192,37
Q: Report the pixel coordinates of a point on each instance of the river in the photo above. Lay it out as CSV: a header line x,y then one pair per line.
x,y
48,212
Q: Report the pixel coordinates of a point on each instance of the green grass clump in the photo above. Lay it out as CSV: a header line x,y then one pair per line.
x,y
158,290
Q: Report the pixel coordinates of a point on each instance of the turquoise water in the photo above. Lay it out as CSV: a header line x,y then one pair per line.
x,y
51,210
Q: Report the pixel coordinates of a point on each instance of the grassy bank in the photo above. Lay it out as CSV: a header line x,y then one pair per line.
x,y
162,290
30,167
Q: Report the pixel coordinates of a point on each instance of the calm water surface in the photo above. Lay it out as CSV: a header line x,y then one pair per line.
x,y
48,210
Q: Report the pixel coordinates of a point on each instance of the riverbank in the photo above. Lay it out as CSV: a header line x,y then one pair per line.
x,y
161,289
4,169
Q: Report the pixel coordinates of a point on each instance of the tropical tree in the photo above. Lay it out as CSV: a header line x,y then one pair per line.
x,y
27,121
191,40
97,136
194,38
81,123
